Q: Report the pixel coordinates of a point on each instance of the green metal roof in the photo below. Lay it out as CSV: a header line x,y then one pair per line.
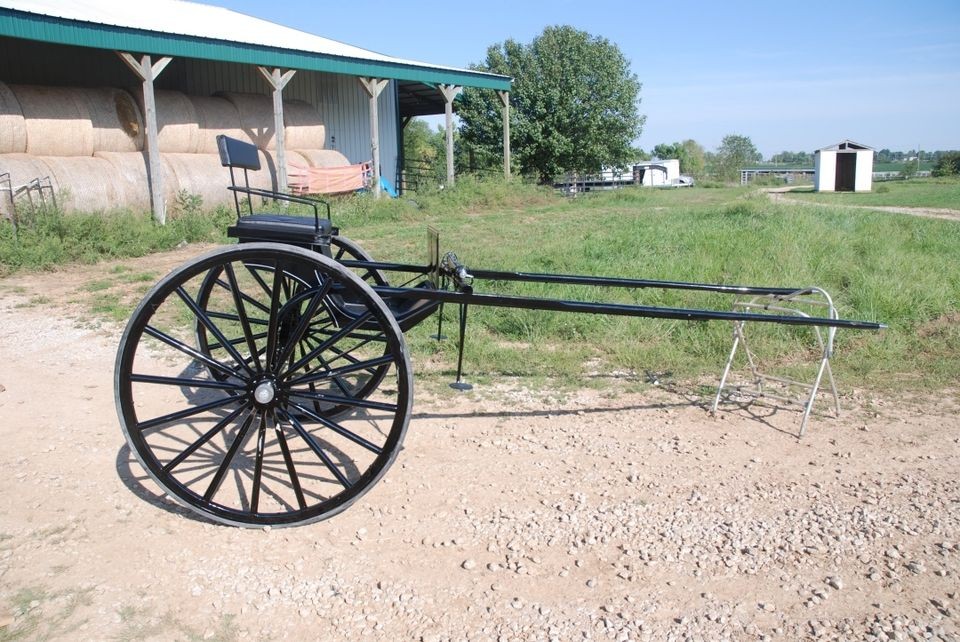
x,y
52,29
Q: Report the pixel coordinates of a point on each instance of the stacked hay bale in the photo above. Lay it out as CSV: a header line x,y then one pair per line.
x,y
13,129
90,142
322,157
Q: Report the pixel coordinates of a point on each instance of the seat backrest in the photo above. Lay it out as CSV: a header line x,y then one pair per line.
x,y
237,153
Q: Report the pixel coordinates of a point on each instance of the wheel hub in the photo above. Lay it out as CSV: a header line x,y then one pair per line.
x,y
265,392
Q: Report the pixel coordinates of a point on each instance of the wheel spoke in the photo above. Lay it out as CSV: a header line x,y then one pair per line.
x,y
189,412
238,341
211,326
184,382
288,460
259,279
207,436
242,313
258,466
347,401
337,428
304,322
273,328
369,366
345,331
182,347
228,458
318,450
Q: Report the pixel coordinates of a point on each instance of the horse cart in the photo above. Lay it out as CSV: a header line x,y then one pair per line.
x,y
267,383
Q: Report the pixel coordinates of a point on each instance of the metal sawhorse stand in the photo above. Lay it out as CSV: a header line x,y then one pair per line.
x,y
767,386
8,205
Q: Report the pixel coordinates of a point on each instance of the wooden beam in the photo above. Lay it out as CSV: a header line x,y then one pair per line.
x,y
278,80
147,71
505,102
449,93
373,87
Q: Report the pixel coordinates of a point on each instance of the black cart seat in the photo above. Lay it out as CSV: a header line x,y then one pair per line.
x,y
304,231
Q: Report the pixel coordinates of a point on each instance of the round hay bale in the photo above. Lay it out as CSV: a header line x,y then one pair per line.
x,y
216,116
179,131
13,130
202,175
302,126
85,184
115,117
57,121
256,117
130,179
323,157
198,175
23,168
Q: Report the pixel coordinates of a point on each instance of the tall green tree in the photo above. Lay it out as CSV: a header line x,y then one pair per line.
x,y
948,164
424,153
689,153
692,158
574,105
734,153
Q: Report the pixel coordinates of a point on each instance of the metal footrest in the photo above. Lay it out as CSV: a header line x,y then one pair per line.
x,y
786,390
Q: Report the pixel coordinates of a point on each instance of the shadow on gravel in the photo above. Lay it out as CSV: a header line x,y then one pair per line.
x,y
135,479
692,395
553,412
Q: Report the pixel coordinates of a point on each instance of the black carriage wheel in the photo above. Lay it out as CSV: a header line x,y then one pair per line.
x,y
248,447
360,384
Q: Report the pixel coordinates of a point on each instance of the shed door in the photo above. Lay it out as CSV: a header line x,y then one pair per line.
x,y
846,173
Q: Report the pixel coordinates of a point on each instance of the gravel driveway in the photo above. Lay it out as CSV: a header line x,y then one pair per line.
x,y
510,515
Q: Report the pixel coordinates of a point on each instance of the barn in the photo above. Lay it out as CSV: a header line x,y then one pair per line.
x,y
844,167
119,103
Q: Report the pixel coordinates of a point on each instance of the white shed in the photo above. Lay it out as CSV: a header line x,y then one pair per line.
x,y
844,167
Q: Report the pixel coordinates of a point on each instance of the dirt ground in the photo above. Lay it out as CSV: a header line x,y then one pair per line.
x,y
511,514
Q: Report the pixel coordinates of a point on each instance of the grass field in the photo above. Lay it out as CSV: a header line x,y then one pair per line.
x,y
900,270
925,192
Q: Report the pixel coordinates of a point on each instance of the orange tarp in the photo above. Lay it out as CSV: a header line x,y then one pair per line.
x,y
327,180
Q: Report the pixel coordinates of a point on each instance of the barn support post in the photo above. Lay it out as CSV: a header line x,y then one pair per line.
x,y
505,102
278,80
449,94
373,87
147,71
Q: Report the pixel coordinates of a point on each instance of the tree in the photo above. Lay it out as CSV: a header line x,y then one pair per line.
x,y
665,151
692,158
573,103
424,153
689,153
948,164
792,158
734,153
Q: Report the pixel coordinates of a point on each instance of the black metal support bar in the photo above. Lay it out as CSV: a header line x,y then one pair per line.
x,y
614,282
460,384
597,281
616,309
389,267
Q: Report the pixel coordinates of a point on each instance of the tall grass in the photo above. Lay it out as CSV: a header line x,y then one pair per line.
x,y
46,238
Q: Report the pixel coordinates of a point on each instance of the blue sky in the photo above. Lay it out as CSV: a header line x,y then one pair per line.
x,y
791,76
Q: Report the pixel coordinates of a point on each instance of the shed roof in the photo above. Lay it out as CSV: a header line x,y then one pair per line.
x,y
194,30
845,145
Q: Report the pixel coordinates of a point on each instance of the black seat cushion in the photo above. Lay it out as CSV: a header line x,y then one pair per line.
x,y
280,227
